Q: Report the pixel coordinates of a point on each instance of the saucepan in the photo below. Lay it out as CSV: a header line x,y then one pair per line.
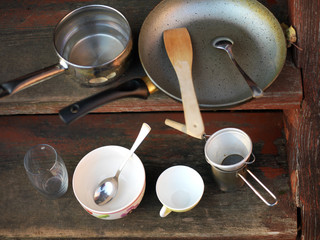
x,y
93,44
259,46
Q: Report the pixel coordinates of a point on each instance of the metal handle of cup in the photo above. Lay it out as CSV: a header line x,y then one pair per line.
x,y
256,192
253,159
18,84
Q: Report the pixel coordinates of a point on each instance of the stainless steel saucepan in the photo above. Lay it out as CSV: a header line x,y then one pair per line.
x,y
93,44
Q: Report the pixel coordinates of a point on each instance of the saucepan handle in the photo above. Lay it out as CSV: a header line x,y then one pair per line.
x,y
18,84
256,192
132,88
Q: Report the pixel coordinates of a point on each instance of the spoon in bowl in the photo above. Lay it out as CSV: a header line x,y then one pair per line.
x,y
108,188
225,44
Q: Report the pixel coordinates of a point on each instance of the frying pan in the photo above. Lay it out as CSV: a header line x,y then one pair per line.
x,y
259,47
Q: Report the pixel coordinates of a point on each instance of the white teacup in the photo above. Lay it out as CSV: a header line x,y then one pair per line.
x,y
179,189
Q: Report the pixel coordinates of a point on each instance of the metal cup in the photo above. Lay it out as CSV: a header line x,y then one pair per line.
x,y
228,181
228,152
228,149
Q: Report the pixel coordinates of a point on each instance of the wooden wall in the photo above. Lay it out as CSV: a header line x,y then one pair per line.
x,y
303,125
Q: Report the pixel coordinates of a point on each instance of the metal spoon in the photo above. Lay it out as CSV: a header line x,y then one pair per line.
x,y
225,44
108,188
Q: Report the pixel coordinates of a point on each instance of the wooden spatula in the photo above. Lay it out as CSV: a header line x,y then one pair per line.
x,y
179,50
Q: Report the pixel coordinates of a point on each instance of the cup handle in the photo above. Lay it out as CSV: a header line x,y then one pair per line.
x,y
256,192
164,211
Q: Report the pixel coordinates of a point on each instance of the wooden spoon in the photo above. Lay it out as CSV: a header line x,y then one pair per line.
x,y
179,50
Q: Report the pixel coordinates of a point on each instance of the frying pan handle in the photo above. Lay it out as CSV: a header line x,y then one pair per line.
x,y
132,88
18,84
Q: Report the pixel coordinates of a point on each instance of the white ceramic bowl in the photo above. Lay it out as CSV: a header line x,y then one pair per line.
x,y
101,163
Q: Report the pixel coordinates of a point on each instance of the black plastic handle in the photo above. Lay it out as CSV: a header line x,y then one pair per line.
x,y
133,88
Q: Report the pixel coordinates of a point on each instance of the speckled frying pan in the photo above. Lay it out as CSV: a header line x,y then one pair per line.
x,y
259,47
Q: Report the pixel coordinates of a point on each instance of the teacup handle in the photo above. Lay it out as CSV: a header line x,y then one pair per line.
x,y
164,211
256,192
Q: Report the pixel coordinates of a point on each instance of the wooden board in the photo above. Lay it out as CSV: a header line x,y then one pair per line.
x,y
235,215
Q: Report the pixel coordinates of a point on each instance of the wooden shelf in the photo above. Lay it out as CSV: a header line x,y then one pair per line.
x,y
52,95
234,215
26,45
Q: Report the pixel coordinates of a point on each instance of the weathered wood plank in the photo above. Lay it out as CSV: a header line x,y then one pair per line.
x,y
303,128
235,215
54,94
